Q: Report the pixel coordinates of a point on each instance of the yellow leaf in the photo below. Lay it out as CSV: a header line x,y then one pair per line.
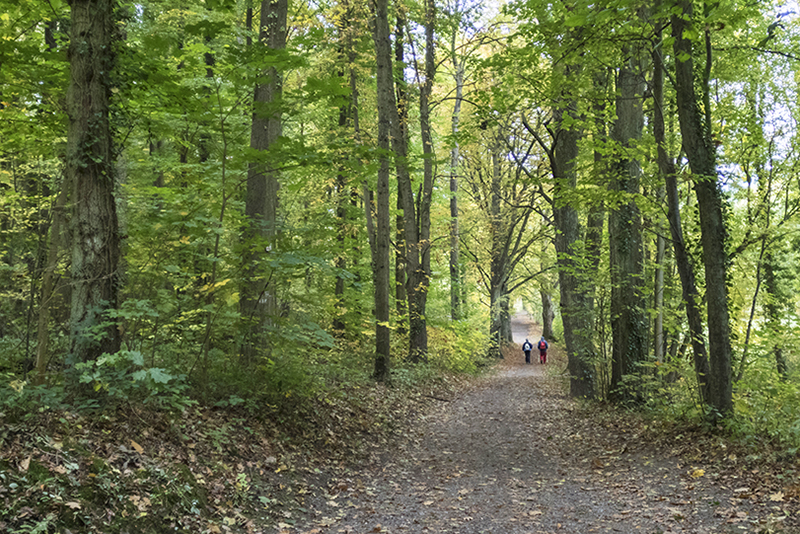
x,y
697,473
24,464
74,505
185,240
138,448
777,497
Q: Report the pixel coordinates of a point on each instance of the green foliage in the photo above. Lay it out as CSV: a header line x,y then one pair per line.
x,y
22,401
460,347
121,378
766,406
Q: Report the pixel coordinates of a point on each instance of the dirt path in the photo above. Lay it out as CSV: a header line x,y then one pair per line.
x,y
514,455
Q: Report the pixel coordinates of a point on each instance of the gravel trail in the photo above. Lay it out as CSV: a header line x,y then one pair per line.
x,y
515,455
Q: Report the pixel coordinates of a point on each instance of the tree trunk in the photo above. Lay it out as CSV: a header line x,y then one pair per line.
x,y
701,153
90,171
401,244
548,314
506,335
576,309
629,323
666,167
455,273
658,289
775,304
419,340
498,264
386,112
258,302
48,285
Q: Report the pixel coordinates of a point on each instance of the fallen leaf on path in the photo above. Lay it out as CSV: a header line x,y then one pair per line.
x,y
697,473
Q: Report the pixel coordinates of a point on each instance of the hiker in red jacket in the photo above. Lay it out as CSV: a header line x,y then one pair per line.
x,y
542,346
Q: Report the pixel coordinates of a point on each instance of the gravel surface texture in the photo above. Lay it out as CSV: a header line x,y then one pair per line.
x,y
515,455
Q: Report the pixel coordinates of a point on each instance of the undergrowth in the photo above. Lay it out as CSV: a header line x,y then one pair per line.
x,y
146,450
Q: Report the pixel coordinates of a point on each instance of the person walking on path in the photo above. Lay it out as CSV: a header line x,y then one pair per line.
x,y
542,350
527,347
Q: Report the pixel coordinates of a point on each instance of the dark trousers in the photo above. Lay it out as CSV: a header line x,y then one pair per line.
x,y
527,356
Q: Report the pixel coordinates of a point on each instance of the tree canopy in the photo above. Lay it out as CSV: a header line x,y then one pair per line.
x,y
201,200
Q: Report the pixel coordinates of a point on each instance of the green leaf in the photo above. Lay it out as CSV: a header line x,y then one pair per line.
x,y
160,376
575,20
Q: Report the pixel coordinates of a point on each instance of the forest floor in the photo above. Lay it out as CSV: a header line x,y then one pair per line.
x,y
513,454
504,453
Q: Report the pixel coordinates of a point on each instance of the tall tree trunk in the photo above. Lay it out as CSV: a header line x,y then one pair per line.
x,y
774,306
666,167
417,329
57,225
48,284
701,153
498,263
90,171
455,273
505,316
401,246
387,111
576,309
258,302
419,340
658,289
629,323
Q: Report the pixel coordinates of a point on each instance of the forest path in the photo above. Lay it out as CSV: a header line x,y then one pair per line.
x,y
515,455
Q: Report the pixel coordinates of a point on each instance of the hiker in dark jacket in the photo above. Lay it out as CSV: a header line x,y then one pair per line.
x,y
527,348
542,346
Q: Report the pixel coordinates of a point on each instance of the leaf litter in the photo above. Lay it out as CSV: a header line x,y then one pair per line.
x,y
506,453
513,454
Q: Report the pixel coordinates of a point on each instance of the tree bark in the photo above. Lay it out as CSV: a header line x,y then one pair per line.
x,y
417,328
90,171
658,289
576,309
629,322
455,273
258,302
401,244
667,170
419,341
701,153
387,111
548,314
499,265
774,308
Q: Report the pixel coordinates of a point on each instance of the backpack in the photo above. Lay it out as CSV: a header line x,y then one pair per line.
x,y
527,346
542,345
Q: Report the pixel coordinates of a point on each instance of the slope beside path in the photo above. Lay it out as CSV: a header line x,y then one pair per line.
x,y
514,455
